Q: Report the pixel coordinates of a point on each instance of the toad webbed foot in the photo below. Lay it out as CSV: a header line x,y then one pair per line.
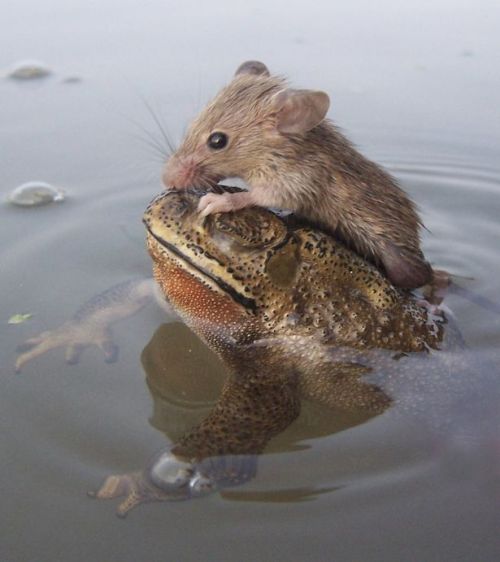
x,y
169,478
91,325
74,337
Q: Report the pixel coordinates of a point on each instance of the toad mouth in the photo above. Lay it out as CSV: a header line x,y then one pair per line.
x,y
248,303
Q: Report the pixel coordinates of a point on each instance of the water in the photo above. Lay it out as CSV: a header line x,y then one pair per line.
x,y
416,87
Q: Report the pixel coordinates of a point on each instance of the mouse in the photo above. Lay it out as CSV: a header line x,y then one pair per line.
x,y
279,141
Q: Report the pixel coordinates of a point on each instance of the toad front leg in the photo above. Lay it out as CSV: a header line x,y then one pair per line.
x,y
91,325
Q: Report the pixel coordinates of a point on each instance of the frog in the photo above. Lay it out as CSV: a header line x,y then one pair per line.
x,y
290,311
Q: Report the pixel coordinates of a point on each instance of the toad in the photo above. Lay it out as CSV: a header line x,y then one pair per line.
x,y
291,312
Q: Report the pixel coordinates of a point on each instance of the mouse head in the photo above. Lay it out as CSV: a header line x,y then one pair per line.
x,y
253,115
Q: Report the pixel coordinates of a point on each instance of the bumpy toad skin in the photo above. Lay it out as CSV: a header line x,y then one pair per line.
x,y
291,312
250,276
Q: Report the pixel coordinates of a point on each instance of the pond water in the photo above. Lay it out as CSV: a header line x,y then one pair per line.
x,y
416,87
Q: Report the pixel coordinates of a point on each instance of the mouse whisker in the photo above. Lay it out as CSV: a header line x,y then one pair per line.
x,y
161,126
150,139
153,145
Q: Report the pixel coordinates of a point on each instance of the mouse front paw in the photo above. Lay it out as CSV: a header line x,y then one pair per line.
x,y
223,202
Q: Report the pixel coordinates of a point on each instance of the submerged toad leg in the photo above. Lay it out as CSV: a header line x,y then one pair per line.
x,y
221,451
91,324
341,385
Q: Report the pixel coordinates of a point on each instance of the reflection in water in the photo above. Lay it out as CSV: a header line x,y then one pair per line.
x,y
219,421
186,378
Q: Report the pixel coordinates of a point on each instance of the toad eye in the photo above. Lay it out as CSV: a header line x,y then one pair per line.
x,y
217,140
253,229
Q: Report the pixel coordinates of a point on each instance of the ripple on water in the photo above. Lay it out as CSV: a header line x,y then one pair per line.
x,y
461,176
459,202
458,198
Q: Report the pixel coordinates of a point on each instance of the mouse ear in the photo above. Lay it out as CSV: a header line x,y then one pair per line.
x,y
254,67
298,111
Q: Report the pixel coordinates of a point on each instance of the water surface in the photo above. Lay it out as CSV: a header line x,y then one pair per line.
x,y
416,87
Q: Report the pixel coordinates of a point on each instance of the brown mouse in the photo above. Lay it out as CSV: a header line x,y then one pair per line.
x,y
279,142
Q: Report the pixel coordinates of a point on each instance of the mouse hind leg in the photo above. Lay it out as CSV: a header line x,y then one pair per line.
x,y
405,269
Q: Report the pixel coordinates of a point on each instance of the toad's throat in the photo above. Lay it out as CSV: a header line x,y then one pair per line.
x,y
246,302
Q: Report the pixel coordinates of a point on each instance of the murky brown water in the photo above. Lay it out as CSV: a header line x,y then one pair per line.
x,y
417,88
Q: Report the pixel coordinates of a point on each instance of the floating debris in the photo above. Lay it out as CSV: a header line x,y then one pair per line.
x,y
28,70
35,193
19,318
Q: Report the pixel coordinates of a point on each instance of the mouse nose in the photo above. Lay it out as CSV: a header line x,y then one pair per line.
x,y
178,173
168,176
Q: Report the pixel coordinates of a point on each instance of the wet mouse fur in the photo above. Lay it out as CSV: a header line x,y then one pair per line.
x,y
279,142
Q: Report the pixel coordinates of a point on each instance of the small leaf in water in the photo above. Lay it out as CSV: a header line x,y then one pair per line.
x,y
19,318
35,193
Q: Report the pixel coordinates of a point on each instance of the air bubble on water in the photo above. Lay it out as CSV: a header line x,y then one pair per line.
x,y
35,193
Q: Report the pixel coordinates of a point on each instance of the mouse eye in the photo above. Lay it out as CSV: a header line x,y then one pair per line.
x,y
217,140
